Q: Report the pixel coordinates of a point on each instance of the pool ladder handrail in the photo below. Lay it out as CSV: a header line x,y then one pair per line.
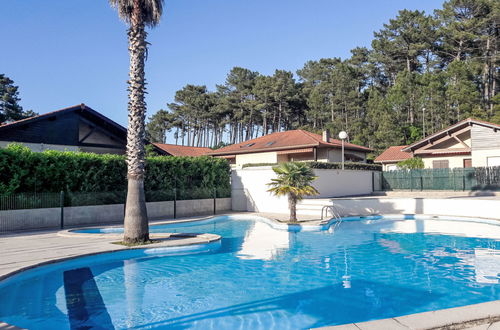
x,y
335,214
333,210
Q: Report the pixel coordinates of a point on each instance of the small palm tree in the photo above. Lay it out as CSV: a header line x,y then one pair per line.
x,y
137,14
294,180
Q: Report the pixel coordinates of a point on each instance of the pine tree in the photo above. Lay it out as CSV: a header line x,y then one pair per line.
x,y
10,109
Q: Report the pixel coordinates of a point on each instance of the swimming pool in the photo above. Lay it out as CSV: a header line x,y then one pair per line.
x,y
261,277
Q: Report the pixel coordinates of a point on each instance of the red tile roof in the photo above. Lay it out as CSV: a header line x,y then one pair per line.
x,y
294,139
393,154
176,150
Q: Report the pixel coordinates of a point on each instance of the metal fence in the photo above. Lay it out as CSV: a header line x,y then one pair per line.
x,y
29,201
457,179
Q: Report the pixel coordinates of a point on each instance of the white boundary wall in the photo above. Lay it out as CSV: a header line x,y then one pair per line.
x,y
461,207
104,214
249,187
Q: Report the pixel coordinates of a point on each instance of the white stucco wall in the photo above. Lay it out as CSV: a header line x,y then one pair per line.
x,y
249,187
480,157
259,157
432,206
453,161
336,183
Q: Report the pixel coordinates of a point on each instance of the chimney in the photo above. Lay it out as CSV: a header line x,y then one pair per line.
x,y
326,135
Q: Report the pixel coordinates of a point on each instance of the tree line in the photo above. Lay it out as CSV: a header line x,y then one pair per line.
x,y
421,74
10,110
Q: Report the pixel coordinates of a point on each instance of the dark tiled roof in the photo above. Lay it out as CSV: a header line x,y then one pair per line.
x,y
80,107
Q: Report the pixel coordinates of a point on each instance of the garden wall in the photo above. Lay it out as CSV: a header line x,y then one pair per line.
x,y
249,187
466,207
49,218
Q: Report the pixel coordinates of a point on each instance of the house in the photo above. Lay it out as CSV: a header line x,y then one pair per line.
x,y
76,128
294,145
177,150
468,143
391,156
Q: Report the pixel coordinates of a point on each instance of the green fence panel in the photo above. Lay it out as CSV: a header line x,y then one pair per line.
x,y
457,179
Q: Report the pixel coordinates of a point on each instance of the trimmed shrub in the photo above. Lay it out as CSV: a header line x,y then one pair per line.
x,y
330,166
414,163
259,164
347,166
22,170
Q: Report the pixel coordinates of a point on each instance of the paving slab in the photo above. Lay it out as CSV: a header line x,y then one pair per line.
x,y
26,250
474,314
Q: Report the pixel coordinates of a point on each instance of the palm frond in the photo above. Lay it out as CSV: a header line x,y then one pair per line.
x,y
151,10
293,179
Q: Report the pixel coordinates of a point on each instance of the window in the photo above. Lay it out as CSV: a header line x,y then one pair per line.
x,y
270,143
247,145
467,162
440,164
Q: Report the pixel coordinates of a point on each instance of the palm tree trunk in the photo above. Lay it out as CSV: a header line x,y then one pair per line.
x,y
136,219
292,203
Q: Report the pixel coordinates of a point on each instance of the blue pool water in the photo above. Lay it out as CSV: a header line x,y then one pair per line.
x,y
263,278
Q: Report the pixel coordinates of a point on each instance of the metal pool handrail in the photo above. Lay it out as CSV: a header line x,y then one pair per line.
x,y
333,209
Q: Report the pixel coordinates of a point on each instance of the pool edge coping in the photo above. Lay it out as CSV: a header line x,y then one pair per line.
x,y
461,317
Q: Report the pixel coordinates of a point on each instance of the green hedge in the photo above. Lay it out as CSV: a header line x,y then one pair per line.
x,y
22,170
347,166
328,166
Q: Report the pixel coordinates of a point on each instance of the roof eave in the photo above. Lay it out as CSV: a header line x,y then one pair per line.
x,y
238,152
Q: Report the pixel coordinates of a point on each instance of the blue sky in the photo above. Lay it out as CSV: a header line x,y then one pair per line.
x,y
65,52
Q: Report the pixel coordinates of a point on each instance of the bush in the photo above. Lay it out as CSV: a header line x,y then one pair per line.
x,y
258,164
411,164
22,170
347,166
330,166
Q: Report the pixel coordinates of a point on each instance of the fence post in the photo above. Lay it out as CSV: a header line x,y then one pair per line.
x,y
215,200
373,181
175,203
463,180
411,180
61,204
453,172
421,182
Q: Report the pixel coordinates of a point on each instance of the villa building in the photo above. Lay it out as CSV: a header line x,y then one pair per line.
x,y
468,143
391,156
76,128
294,145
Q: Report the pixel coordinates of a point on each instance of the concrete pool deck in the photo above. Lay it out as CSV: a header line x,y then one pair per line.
x,y
25,250
21,251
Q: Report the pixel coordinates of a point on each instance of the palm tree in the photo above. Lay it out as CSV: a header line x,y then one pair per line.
x,y
137,14
294,180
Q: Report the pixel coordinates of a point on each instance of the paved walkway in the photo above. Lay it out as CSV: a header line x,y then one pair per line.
x,y
485,316
24,250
